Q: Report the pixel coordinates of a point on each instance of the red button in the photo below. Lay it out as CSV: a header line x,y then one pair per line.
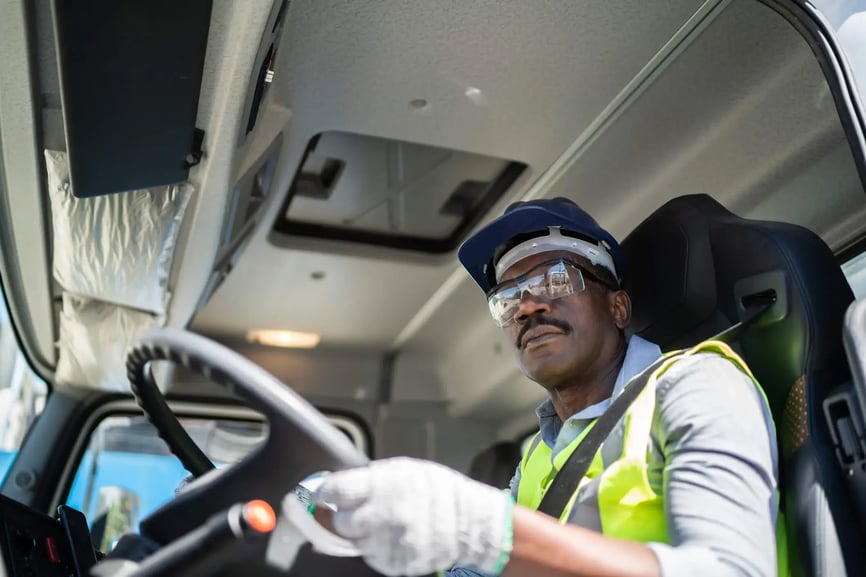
x,y
51,546
260,516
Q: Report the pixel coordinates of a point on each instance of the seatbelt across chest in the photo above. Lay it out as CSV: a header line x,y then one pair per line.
x,y
574,469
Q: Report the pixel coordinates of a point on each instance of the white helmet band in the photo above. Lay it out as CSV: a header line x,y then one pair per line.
x,y
597,254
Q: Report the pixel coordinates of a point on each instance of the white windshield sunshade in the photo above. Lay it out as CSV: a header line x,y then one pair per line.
x,y
115,248
112,259
94,338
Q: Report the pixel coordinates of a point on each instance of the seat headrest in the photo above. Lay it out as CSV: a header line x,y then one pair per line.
x,y
693,267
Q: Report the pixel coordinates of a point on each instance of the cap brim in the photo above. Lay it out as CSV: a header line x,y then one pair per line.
x,y
476,252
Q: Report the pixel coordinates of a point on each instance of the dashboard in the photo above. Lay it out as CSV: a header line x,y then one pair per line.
x,y
34,544
37,545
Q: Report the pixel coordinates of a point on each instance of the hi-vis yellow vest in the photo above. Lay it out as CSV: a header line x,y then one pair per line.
x,y
627,506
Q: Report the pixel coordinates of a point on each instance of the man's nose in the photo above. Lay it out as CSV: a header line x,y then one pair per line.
x,y
530,305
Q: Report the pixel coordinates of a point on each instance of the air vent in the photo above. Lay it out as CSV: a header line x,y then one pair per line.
x,y
262,75
263,81
392,193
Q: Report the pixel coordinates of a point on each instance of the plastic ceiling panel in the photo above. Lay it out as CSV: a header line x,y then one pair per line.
x,y
513,80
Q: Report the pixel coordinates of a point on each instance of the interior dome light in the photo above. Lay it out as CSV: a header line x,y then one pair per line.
x,y
287,339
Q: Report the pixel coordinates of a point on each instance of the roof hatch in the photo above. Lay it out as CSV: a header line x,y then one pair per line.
x,y
391,193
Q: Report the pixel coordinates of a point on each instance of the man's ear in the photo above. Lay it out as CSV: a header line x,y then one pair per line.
x,y
620,308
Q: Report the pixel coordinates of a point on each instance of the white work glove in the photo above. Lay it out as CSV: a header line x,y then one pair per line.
x,y
413,517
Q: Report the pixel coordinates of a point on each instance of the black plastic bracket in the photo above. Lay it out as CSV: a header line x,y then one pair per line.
x,y
194,156
78,536
844,409
847,430
765,289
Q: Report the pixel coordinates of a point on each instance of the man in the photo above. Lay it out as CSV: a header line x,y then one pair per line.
x,y
684,485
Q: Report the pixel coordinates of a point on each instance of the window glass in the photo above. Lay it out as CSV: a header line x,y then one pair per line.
x,y
22,393
127,472
855,272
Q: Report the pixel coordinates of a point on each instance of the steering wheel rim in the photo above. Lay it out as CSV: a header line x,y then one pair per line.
x,y
156,410
267,473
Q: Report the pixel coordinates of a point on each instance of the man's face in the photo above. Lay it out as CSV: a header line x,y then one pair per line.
x,y
567,338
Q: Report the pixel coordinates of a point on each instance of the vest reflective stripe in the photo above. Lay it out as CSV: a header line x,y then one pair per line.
x,y
618,499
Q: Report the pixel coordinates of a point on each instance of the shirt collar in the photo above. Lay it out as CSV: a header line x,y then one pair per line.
x,y
639,354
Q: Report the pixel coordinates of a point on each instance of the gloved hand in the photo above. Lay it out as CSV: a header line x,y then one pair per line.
x,y
413,517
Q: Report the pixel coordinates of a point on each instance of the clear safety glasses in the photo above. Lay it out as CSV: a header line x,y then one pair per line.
x,y
550,280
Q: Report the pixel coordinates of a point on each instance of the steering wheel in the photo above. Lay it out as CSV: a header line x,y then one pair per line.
x,y
300,441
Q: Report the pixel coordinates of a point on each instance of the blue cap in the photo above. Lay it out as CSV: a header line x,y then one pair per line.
x,y
534,216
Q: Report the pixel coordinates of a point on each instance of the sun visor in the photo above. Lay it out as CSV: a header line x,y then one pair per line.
x,y
116,248
94,337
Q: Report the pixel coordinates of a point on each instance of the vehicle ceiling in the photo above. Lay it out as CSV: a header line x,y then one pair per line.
x,y
620,105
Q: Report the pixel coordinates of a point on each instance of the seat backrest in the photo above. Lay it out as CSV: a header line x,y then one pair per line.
x,y
693,266
496,464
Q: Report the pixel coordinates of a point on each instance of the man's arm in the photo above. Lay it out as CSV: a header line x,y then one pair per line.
x,y
544,548
719,480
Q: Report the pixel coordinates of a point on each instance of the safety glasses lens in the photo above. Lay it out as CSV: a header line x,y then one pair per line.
x,y
549,280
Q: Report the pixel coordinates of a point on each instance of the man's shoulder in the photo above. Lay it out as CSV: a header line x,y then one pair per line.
x,y
706,402
704,374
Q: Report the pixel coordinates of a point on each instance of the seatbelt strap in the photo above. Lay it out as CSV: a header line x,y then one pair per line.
x,y
758,305
574,469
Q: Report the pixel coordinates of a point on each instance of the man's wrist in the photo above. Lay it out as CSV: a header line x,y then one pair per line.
x,y
507,536
488,544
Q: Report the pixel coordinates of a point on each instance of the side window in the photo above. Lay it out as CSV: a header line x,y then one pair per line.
x,y
855,272
22,393
127,472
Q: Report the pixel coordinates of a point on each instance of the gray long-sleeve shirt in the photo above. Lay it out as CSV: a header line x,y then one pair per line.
x,y
713,456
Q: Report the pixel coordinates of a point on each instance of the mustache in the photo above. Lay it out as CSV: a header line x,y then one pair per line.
x,y
539,321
